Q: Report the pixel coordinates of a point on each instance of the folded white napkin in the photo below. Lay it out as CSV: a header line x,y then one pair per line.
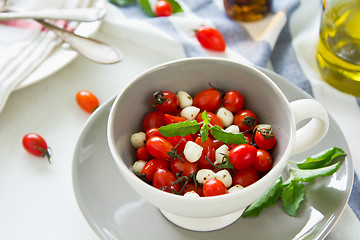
x,y
25,45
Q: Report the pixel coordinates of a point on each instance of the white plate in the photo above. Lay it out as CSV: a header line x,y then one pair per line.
x,y
63,55
115,211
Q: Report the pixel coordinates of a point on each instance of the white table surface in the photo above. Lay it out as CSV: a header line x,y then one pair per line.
x,y
37,199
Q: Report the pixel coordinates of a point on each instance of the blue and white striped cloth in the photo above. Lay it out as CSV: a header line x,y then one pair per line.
x,y
285,42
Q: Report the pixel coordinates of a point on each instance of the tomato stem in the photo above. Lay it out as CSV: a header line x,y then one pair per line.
x,y
45,153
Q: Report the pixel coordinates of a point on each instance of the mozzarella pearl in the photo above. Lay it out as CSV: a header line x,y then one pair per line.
x,y
204,174
138,166
191,194
192,151
138,139
232,129
185,99
219,154
235,188
224,176
225,116
190,112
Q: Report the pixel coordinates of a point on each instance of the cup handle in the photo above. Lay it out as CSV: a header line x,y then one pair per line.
x,y
312,132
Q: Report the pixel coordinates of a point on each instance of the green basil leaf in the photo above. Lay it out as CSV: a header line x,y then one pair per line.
x,y
204,130
322,159
309,175
180,129
268,199
146,7
292,196
176,8
122,3
227,137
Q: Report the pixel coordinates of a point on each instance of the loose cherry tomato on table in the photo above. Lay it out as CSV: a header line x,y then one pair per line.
x,y
36,145
233,101
159,147
164,179
153,120
264,138
214,187
242,156
208,99
245,177
163,8
210,38
166,101
151,166
263,161
87,101
246,120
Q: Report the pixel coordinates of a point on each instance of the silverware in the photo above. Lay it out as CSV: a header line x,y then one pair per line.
x,y
76,14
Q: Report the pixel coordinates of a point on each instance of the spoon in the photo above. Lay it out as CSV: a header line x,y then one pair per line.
x,y
76,14
89,48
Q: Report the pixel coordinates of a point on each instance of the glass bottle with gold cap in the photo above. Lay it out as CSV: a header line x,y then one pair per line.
x,y
247,10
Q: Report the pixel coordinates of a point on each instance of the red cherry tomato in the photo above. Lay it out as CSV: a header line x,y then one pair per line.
x,y
208,152
208,99
217,143
87,101
173,119
214,187
151,166
164,179
184,167
233,101
263,161
264,138
163,8
245,119
248,137
153,119
210,38
36,145
152,132
179,142
192,187
166,101
214,119
159,147
242,156
245,177
142,153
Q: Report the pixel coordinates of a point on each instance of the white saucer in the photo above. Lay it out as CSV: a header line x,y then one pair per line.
x,y
115,211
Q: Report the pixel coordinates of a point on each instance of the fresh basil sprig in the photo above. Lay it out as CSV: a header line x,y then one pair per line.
x,y
293,190
191,127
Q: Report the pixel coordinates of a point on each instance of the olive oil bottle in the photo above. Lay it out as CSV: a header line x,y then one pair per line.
x,y
247,10
338,55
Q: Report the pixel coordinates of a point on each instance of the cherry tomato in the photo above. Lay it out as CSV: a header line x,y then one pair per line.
x,y
164,179
208,152
152,132
166,101
233,101
263,161
242,156
214,119
151,166
87,101
163,9
217,143
173,119
248,137
264,138
193,187
153,119
245,177
159,147
142,153
210,38
208,99
245,119
184,167
36,145
214,187
179,142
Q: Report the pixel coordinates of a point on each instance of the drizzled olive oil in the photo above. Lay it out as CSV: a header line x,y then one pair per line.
x,y
338,54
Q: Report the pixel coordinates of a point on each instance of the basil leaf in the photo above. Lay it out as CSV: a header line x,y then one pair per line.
x,y
268,199
146,7
227,137
310,174
122,3
204,130
180,129
176,8
292,196
322,159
